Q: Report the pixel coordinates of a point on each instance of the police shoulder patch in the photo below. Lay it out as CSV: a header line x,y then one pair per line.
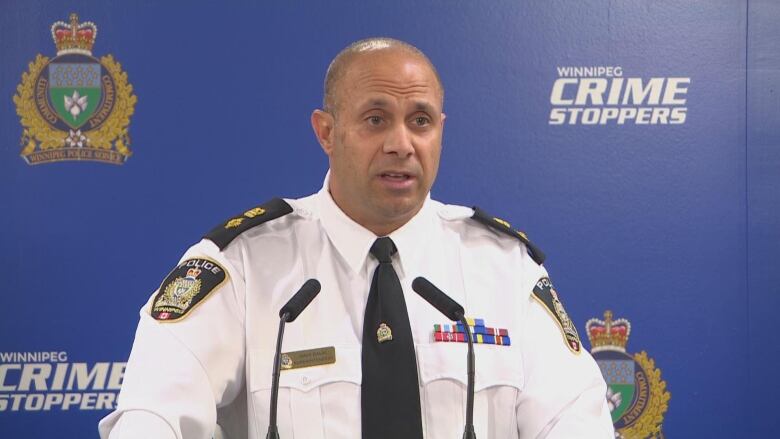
x,y
504,227
545,294
225,233
188,285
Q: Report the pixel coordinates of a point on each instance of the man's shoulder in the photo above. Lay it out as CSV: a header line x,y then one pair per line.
x,y
475,224
274,215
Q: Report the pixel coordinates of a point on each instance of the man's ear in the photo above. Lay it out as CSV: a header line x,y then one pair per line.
x,y
322,123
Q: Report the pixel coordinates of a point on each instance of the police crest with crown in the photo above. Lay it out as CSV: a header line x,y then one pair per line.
x,y
75,106
636,394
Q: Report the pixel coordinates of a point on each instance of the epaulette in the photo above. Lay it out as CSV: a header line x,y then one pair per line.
x,y
225,233
504,227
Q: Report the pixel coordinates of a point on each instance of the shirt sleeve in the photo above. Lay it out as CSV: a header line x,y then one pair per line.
x,y
564,396
180,372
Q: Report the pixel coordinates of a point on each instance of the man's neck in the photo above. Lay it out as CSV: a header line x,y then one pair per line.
x,y
383,227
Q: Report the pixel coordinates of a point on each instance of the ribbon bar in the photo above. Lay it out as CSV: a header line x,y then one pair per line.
x,y
459,337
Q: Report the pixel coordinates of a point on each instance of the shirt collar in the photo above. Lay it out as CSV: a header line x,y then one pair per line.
x,y
354,241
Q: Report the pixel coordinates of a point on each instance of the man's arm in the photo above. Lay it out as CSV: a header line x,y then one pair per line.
x,y
564,392
182,367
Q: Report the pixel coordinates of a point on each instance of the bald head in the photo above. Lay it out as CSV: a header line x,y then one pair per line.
x,y
340,65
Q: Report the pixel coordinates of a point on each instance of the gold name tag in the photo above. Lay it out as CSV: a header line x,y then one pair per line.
x,y
308,358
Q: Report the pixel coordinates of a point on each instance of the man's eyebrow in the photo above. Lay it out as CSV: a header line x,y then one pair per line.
x,y
423,106
376,102
384,103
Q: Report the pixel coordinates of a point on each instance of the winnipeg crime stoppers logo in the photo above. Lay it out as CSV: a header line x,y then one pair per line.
x,y
44,381
602,95
636,394
74,106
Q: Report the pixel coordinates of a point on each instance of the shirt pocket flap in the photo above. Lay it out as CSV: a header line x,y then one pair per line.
x,y
345,369
494,365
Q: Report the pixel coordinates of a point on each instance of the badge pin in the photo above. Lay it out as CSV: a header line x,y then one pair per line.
x,y
384,333
286,362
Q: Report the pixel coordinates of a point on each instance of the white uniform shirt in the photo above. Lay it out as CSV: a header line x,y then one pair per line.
x,y
216,362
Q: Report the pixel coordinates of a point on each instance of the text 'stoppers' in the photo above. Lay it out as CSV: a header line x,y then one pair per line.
x,y
74,106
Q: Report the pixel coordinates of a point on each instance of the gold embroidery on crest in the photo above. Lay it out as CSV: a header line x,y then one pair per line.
x,y
558,313
568,326
179,293
103,137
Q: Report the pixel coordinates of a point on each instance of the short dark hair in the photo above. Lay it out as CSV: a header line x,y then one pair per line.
x,y
338,67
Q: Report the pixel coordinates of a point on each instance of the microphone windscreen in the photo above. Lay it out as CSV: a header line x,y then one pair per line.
x,y
300,300
438,299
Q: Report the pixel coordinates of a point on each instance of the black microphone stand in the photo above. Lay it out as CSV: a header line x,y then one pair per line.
x,y
454,312
288,313
273,430
468,431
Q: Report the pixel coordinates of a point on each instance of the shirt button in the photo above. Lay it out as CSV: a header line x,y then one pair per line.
x,y
305,379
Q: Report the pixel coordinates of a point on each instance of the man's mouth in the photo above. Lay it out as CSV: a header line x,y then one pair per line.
x,y
396,176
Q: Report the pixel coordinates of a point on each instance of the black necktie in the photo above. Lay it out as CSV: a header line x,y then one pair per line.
x,y
390,394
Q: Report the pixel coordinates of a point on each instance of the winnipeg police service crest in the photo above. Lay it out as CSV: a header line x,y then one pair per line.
x,y
74,106
636,394
187,285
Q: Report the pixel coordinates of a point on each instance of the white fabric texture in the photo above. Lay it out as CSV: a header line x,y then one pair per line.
x,y
180,375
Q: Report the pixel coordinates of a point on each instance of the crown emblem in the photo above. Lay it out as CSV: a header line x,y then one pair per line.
x,y
74,37
608,334
384,333
193,272
74,106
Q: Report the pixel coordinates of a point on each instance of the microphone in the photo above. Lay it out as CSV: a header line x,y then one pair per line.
x,y
438,299
454,312
288,313
300,300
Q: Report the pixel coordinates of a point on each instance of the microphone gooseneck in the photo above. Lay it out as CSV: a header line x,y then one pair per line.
x,y
273,430
300,300
288,313
468,430
454,312
438,299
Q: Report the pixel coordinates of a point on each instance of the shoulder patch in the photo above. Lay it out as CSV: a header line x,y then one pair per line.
x,y
188,285
504,227
225,233
545,293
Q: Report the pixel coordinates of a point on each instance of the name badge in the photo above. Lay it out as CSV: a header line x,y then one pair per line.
x,y
308,358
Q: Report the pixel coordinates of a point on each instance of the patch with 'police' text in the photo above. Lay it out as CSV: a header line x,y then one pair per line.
x,y
545,294
186,287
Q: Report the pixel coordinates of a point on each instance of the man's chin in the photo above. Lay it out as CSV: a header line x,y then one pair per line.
x,y
401,208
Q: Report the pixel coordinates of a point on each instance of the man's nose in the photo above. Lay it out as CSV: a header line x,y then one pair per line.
x,y
399,141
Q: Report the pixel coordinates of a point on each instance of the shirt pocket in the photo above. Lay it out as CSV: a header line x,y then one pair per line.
x,y
498,382
318,402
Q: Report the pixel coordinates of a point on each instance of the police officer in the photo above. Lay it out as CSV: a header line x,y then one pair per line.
x,y
368,357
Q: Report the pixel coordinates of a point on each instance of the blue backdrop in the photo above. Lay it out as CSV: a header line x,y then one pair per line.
x,y
671,218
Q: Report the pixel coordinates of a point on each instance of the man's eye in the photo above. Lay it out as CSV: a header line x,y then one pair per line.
x,y
374,120
421,121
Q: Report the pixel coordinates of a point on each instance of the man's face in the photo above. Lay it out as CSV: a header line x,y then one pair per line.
x,y
385,141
